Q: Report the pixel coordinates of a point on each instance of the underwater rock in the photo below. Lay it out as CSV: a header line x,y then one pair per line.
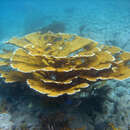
x,y
5,123
55,27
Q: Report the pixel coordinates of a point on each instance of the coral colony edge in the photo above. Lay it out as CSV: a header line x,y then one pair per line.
x,y
57,63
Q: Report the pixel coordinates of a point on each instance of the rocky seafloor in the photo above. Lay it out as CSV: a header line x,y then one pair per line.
x,y
104,106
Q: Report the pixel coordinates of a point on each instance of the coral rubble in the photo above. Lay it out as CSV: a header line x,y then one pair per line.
x,y
5,121
58,63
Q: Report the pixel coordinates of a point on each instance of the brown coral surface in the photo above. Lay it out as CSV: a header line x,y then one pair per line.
x,y
58,63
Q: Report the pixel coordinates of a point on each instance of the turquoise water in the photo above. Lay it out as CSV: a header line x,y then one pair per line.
x,y
102,20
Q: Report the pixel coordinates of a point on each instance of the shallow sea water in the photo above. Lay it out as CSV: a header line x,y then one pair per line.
x,y
105,21
102,20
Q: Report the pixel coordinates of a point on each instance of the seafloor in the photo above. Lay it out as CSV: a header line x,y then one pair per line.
x,y
102,109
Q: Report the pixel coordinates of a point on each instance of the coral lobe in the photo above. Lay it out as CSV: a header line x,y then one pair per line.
x,y
58,63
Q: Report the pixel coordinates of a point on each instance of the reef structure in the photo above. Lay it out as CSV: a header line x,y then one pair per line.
x,y
57,63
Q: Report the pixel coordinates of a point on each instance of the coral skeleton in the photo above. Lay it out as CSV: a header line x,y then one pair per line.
x,y
57,63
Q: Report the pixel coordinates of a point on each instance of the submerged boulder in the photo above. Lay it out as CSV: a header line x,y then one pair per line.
x,y
5,123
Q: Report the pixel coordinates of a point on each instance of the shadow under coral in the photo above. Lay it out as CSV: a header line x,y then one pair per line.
x,y
21,99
